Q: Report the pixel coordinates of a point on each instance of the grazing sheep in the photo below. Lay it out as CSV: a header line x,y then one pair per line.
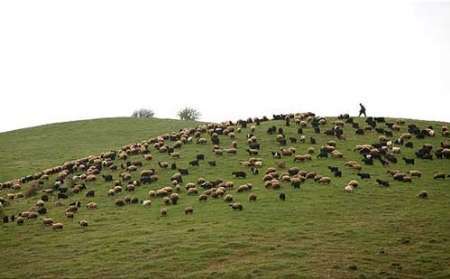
x,y
382,183
325,180
90,194
282,196
252,197
212,163
236,206
188,210
415,173
91,205
83,223
57,226
409,161
192,191
163,211
20,220
353,183
147,203
174,197
120,202
363,175
423,195
239,174
203,197
228,198
302,158
47,221
243,188
348,189
439,176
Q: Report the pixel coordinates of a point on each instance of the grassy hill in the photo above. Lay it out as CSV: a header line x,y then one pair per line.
x,y
318,231
25,151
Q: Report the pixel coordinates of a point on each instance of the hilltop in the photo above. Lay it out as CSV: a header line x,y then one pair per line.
x,y
318,231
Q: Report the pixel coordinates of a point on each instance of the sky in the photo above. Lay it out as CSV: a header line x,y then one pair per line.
x,y
70,60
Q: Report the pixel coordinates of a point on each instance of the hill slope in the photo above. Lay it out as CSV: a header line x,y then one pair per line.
x,y
25,151
318,231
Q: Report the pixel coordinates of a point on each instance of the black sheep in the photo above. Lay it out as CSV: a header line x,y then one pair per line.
x,y
409,161
239,174
194,163
183,171
282,196
382,183
107,177
200,157
173,166
212,163
276,155
90,193
364,175
146,179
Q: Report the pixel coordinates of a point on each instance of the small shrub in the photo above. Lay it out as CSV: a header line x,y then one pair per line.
x,y
188,113
143,113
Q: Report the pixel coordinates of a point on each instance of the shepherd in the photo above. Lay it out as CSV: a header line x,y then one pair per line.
x,y
362,110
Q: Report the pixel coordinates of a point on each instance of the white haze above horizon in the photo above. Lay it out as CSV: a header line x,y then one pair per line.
x,y
71,60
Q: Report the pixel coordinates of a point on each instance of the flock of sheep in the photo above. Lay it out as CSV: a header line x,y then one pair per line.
x,y
117,167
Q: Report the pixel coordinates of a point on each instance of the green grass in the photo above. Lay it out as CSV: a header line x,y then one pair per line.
x,y
319,231
25,151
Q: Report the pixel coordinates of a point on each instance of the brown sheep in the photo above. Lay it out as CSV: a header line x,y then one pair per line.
x,y
252,197
163,211
57,226
188,210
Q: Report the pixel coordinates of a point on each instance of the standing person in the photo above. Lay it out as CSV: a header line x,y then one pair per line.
x,y
362,110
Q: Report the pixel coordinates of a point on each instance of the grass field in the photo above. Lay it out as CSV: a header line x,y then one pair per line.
x,y
318,232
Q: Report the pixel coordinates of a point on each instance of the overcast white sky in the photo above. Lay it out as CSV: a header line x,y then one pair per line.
x,y
69,60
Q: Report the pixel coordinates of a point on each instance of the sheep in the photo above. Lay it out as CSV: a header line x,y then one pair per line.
x,y
47,221
57,226
363,175
252,197
236,206
174,197
415,173
90,193
20,220
119,202
353,183
228,198
83,223
91,205
302,158
348,189
147,203
423,195
325,180
282,196
239,174
382,183
69,215
409,161
439,176
243,188
188,210
163,165
192,191
336,154
212,163
163,212
203,197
